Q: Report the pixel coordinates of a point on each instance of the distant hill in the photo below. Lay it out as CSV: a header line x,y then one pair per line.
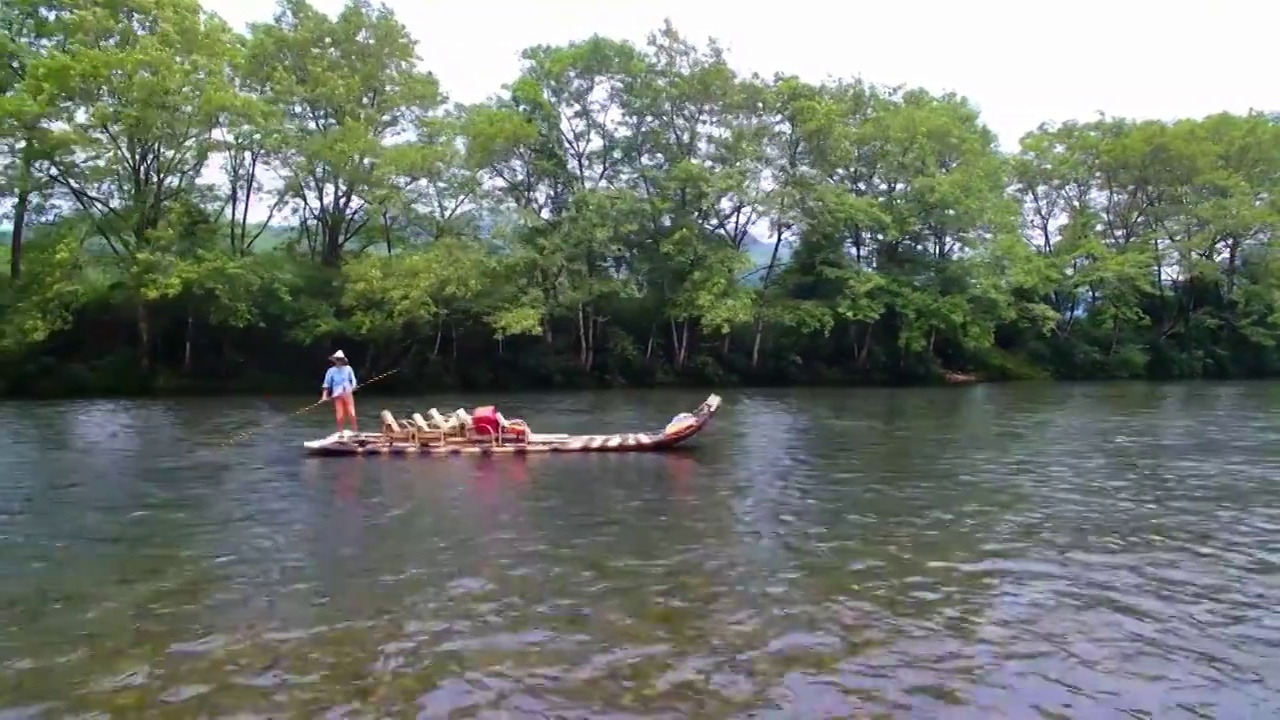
x,y
760,252
274,236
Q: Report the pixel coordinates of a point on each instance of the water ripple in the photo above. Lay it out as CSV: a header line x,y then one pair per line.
x,y
1024,551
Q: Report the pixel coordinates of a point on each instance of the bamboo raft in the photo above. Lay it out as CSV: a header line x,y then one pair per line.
x,y
484,431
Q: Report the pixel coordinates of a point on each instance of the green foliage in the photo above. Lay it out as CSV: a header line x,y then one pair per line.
x,y
610,217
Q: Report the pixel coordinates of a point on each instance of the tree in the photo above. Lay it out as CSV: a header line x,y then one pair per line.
x,y
345,89
617,214
27,29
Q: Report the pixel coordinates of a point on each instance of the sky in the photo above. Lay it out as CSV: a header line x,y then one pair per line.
x,y
1022,62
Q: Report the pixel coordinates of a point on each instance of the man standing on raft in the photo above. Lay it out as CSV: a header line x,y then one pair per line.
x,y
339,384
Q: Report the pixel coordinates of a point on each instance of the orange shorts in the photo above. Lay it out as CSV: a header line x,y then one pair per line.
x,y
344,406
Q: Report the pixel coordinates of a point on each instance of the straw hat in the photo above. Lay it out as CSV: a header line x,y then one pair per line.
x,y
338,356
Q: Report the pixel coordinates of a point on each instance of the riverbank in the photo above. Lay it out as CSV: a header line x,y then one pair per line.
x,y
115,379
118,377
263,368
290,369
77,385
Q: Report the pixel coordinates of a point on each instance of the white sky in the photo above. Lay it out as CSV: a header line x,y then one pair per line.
x,y
1022,62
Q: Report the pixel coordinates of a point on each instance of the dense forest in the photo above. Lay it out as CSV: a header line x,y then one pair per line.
x,y
195,209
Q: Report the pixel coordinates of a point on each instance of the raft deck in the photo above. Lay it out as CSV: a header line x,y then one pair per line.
x,y
486,432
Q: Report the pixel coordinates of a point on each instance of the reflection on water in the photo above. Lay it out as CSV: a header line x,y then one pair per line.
x,y
1076,551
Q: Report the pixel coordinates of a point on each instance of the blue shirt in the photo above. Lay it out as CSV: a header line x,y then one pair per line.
x,y
339,380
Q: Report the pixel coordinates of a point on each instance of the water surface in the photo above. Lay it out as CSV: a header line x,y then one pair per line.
x,y
1087,551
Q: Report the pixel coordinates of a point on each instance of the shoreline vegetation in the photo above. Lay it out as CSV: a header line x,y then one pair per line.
x,y
618,215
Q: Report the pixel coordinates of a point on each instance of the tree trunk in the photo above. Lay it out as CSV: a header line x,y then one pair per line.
x,y
684,343
386,230
865,350
680,337
20,206
764,285
582,338
648,348
755,345
586,336
144,338
332,254
1233,250
19,223
186,349
675,345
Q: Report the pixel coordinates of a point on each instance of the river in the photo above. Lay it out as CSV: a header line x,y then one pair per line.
x,y
1088,551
